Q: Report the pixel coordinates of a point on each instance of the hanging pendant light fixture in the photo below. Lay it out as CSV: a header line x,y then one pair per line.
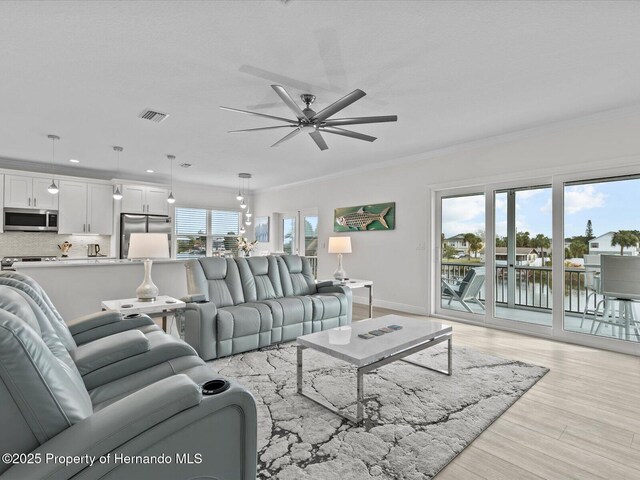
x,y
248,213
239,197
171,198
53,188
242,193
117,195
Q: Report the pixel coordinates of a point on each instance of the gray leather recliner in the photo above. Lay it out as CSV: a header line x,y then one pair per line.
x,y
48,413
114,348
240,304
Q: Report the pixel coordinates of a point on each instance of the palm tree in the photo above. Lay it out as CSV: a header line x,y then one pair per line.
x,y
624,239
474,243
541,241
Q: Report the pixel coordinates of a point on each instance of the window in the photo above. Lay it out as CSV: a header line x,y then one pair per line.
x,y
200,231
595,245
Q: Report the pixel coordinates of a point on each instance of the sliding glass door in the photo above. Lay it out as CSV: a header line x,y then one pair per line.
x,y
602,262
523,255
556,257
462,268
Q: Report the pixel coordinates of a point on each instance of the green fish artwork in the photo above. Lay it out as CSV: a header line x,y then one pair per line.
x,y
381,216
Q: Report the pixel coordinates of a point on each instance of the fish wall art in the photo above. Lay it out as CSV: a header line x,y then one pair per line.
x,y
381,216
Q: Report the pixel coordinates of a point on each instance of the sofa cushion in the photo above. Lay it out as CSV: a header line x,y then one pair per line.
x,y
243,327
260,278
328,305
218,279
296,276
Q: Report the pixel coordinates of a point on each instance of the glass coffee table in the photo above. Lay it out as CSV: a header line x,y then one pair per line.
x,y
366,355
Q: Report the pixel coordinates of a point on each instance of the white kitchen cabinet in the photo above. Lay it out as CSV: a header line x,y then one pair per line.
x,y
157,201
22,191
100,209
85,208
145,199
41,196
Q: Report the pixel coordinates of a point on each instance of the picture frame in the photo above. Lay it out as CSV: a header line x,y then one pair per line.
x,y
261,230
360,218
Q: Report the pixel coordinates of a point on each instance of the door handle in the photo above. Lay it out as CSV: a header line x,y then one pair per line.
x,y
89,228
83,227
29,201
34,201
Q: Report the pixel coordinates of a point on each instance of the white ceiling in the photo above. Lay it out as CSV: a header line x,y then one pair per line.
x,y
451,71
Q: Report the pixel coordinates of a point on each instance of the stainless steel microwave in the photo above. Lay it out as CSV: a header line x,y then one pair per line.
x,y
30,220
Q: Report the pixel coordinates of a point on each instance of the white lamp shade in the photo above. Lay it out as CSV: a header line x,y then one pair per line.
x,y
339,244
148,245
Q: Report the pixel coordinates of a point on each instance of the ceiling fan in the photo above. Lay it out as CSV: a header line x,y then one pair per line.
x,y
308,121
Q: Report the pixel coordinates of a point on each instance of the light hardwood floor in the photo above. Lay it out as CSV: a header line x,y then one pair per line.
x,y
581,421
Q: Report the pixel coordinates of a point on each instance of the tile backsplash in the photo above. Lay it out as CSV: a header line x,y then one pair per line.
x,y
46,243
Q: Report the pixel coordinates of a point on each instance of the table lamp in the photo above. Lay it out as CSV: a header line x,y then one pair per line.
x,y
147,246
339,245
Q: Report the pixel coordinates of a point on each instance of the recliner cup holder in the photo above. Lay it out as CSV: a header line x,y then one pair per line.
x,y
214,387
132,315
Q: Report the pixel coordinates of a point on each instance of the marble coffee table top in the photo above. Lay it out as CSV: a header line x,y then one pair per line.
x,y
343,342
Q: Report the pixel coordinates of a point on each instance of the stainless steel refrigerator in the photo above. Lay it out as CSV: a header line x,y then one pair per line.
x,y
130,223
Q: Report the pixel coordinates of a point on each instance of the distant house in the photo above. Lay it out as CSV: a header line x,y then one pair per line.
x,y
458,242
602,245
524,255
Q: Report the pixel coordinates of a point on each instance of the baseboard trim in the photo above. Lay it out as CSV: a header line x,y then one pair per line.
x,y
401,307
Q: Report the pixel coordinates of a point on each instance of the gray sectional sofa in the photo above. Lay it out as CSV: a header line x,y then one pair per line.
x,y
240,304
108,386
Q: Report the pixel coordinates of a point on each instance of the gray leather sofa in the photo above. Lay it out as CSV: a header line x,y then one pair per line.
x,y
240,304
48,413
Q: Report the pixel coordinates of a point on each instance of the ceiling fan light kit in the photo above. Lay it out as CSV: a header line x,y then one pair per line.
x,y
308,121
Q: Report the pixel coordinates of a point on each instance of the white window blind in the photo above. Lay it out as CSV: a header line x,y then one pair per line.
x,y
224,221
191,221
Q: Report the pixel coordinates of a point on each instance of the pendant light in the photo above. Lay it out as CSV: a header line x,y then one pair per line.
x,y
117,195
248,213
53,188
171,198
241,192
239,197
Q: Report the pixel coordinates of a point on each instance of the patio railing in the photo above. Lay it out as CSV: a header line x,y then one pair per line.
x,y
533,286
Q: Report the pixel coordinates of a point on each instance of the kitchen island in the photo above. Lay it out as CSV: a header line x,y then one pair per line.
x,y
77,287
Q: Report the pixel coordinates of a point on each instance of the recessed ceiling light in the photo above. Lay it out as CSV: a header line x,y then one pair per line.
x,y
73,160
149,170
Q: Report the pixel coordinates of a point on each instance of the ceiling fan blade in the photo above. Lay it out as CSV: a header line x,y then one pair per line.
x,y
261,128
286,98
287,137
348,133
335,107
322,145
354,121
295,122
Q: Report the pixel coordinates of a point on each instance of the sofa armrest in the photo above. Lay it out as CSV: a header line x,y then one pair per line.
x,y
169,418
344,290
108,350
200,328
195,298
327,283
93,320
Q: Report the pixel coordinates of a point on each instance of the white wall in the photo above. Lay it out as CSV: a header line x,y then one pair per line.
x,y
395,260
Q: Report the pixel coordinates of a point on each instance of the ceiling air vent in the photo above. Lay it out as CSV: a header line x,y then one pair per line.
x,y
185,165
153,116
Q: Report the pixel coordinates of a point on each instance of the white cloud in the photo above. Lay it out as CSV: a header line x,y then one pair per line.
x,y
462,215
582,197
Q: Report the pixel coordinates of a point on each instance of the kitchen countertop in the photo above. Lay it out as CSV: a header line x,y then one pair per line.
x,y
86,262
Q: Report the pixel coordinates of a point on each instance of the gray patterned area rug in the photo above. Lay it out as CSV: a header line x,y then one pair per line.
x,y
416,422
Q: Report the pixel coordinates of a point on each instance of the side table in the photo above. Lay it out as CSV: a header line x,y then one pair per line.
x,y
355,283
161,307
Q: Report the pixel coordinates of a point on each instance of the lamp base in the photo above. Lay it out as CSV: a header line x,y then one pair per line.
x,y
147,291
340,274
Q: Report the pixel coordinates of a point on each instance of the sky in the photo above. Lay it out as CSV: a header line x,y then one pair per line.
x,y
610,206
